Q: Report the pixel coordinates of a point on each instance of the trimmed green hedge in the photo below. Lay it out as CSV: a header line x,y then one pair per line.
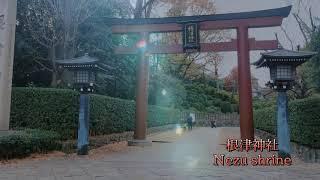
x,y
110,115
265,119
304,120
48,109
57,110
20,144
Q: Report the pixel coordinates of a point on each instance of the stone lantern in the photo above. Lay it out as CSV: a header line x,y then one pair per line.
x,y
83,71
282,64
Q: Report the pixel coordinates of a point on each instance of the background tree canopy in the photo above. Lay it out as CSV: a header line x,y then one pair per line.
x,y
312,68
178,81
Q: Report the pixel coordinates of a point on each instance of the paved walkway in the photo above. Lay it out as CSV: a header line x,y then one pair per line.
x,y
185,157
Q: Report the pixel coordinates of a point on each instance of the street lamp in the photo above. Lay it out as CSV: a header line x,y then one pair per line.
x,y
282,64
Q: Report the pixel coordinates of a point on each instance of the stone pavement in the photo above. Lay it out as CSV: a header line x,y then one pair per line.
x,y
185,157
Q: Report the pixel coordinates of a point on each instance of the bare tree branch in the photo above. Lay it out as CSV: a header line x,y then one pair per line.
x,y
148,5
43,66
2,22
301,27
313,25
287,37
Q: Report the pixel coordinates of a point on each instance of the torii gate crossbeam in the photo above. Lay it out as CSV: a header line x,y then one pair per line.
x,y
239,21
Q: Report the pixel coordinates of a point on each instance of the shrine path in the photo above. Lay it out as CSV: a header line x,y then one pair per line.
x,y
185,157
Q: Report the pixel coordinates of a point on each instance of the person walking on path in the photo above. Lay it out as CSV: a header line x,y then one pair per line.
x,y
213,124
189,122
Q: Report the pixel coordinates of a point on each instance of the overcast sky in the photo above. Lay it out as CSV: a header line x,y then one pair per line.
x,y
228,6
225,6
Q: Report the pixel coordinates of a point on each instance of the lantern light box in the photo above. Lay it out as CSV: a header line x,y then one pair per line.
x,y
282,64
84,71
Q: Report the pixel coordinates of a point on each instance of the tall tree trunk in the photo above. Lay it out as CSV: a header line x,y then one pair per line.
x,y
139,9
52,57
216,75
72,50
115,87
65,48
54,79
59,51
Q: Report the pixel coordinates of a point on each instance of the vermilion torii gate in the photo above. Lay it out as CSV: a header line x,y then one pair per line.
x,y
239,21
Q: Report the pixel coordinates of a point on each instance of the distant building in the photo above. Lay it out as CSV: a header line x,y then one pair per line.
x,y
256,89
261,92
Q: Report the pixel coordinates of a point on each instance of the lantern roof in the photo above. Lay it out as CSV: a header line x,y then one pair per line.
x,y
83,62
283,56
79,61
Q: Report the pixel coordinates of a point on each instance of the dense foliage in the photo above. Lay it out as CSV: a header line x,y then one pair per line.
x,y
57,110
34,65
311,69
20,144
304,120
206,98
265,103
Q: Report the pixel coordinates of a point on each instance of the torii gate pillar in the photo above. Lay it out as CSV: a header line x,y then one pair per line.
x,y
245,91
142,95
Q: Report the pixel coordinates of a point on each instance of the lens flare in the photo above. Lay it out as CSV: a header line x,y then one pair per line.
x,y
164,92
142,44
179,130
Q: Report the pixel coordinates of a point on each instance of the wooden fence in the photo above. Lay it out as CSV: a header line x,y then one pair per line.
x,y
221,119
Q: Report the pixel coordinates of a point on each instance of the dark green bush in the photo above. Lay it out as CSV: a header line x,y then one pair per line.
x,y
304,120
235,107
226,107
261,104
200,96
20,144
213,109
